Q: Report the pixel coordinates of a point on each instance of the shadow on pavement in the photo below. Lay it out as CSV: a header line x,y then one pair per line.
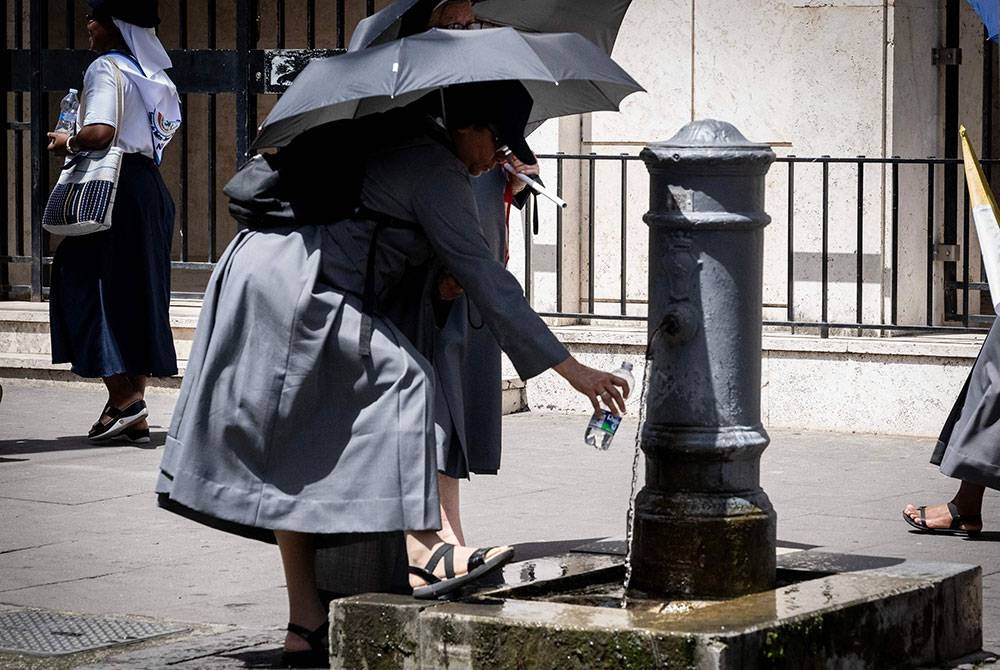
x,y
528,550
260,658
73,443
985,536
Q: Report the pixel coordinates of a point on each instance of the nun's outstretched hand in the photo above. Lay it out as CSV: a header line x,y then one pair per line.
x,y
597,385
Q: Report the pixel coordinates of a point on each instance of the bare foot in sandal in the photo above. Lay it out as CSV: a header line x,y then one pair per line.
x,y
945,519
438,568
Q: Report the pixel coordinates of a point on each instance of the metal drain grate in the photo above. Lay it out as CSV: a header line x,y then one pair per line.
x,y
51,633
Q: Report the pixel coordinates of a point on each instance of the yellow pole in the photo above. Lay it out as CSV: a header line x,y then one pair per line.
x,y
979,190
984,213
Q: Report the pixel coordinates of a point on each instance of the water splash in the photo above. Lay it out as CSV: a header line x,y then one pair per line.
x,y
630,517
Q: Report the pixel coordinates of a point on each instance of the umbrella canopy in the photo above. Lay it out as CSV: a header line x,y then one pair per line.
x,y
989,12
597,20
563,72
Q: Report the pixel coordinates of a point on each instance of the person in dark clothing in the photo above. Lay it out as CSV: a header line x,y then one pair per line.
x,y
110,296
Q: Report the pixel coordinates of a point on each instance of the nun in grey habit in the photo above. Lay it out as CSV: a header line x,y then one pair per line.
x,y
305,411
968,448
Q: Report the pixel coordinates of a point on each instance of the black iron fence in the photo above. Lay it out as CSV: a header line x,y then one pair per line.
x,y
921,273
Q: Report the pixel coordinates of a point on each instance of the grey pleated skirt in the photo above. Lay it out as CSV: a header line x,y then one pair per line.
x,y
281,423
969,445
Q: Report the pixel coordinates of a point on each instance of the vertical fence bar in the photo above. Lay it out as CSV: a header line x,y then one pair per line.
x,y
559,237
824,330
341,25
894,281
311,23
790,291
5,229
70,20
966,251
19,139
212,146
930,243
860,268
592,172
38,22
369,7
246,107
949,176
624,236
279,38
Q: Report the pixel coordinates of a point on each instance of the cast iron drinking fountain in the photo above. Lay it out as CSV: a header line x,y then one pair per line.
x,y
705,586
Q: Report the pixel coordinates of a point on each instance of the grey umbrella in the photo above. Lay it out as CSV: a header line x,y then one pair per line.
x,y
563,72
597,20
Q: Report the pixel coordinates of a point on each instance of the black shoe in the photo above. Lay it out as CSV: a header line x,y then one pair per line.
x,y
133,436
120,420
318,653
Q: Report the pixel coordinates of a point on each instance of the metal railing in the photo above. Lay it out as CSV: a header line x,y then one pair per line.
x,y
946,294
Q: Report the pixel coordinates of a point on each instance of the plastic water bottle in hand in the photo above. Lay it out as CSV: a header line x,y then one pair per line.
x,y
603,424
68,109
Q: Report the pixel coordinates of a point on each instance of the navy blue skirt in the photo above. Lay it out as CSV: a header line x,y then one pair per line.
x,y
110,296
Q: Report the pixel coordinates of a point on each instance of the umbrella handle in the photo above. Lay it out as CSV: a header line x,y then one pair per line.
x,y
535,186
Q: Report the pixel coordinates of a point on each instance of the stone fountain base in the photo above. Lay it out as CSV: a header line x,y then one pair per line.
x,y
833,610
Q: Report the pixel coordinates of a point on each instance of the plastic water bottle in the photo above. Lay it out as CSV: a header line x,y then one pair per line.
x,y
603,424
68,109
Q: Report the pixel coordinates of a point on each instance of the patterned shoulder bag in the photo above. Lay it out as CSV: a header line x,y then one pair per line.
x,y
84,196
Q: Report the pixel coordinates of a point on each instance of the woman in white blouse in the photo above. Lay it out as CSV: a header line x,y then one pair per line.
x,y
110,291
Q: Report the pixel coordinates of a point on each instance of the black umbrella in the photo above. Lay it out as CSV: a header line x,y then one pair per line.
x,y
563,72
597,20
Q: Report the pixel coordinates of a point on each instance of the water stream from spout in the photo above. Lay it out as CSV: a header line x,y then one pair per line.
x,y
630,517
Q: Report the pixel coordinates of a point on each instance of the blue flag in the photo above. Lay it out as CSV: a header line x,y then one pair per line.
x,y
989,12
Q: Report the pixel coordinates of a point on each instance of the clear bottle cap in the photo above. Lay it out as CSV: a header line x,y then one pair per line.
x,y
73,90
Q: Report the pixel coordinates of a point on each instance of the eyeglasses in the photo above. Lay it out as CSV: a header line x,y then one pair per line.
x,y
475,25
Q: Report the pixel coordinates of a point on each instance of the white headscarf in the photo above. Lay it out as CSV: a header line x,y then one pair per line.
x,y
157,90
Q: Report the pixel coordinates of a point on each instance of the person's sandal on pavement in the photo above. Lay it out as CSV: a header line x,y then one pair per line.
x,y
955,528
477,566
318,653
120,420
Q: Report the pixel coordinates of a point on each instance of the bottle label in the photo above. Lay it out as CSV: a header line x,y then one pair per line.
x,y
606,421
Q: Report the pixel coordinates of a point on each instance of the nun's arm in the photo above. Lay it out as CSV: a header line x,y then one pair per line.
x,y
94,137
446,209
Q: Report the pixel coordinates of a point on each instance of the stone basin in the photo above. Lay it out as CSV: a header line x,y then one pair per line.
x,y
828,611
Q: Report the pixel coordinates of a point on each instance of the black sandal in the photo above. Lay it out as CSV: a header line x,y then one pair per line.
x,y
318,653
954,528
477,566
120,420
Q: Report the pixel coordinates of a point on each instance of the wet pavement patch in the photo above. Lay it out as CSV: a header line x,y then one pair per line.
x,y
45,633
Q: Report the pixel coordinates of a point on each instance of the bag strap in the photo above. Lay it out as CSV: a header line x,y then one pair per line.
x,y
119,101
369,299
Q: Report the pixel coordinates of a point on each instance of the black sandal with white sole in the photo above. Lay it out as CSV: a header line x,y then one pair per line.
x,y
954,528
477,566
120,420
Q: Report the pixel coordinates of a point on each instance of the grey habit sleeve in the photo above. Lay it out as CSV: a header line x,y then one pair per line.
x,y
446,209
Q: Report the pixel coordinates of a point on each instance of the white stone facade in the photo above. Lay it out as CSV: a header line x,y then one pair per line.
x,y
834,77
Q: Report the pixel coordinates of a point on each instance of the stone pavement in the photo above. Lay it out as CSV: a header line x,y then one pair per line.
x,y
80,531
